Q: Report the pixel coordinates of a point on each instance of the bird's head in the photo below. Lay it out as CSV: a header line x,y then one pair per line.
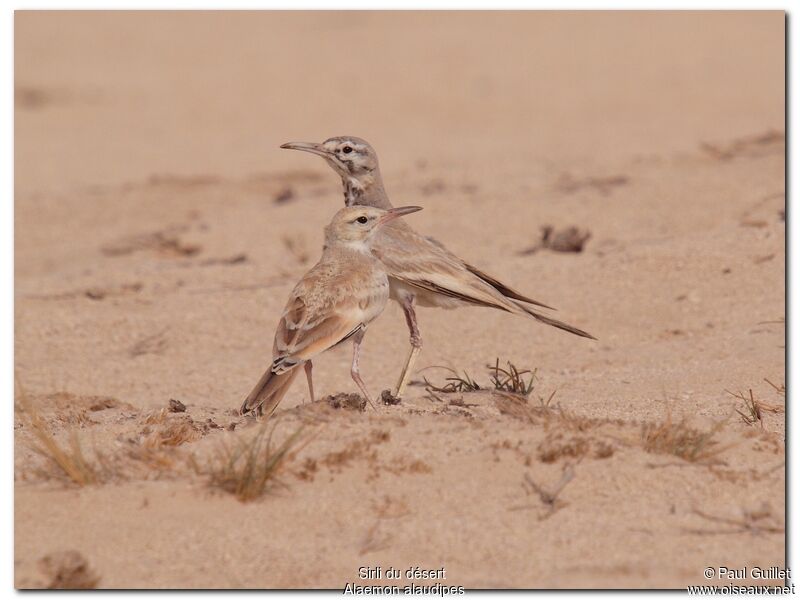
x,y
349,156
355,225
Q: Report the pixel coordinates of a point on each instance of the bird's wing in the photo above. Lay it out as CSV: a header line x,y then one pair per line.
x,y
325,310
503,288
427,265
318,315
303,332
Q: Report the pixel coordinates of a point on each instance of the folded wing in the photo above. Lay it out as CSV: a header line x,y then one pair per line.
x,y
424,264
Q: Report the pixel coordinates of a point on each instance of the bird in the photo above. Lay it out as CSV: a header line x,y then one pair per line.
x,y
422,272
333,302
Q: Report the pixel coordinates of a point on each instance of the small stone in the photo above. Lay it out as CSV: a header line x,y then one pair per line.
x,y
389,399
284,196
176,406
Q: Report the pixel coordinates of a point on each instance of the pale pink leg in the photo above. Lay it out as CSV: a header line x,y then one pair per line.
x,y
416,345
354,368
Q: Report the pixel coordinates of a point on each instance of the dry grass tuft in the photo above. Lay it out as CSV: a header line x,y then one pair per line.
x,y
68,570
518,407
249,468
575,422
753,410
455,384
174,432
681,440
67,462
557,445
156,460
509,380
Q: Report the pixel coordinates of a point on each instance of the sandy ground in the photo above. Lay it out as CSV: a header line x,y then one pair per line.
x,y
155,246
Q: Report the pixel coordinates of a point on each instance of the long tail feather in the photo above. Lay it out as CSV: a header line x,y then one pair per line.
x,y
268,392
555,323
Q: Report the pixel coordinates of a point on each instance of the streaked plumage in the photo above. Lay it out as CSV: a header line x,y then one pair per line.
x,y
334,302
421,270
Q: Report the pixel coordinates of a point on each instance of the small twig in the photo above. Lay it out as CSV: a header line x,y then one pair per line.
x,y
749,523
779,389
548,498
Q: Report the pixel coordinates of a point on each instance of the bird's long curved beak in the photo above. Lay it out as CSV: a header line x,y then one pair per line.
x,y
306,147
400,211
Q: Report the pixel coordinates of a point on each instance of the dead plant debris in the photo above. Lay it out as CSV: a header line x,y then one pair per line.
x,y
235,259
752,146
509,379
754,521
155,343
249,468
549,498
346,401
374,539
570,184
68,462
165,243
568,239
100,293
681,440
779,389
284,195
558,445
68,570
753,409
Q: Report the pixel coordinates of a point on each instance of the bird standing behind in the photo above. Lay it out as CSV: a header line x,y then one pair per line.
x,y
335,301
421,270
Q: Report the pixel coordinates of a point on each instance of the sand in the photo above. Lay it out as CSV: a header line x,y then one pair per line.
x,y
159,229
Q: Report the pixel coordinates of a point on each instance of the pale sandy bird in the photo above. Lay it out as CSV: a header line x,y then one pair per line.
x,y
334,302
421,270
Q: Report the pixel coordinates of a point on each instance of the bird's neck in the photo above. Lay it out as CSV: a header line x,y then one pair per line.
x,y
354,249
365,191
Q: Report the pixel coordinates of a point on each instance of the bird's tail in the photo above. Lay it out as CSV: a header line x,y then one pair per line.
x,y
553,322
269,391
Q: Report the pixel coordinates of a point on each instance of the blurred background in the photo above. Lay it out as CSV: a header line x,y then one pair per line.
x,y
193,92
148,160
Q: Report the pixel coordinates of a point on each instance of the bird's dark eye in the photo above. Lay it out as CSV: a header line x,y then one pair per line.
x,y
362,220
347,149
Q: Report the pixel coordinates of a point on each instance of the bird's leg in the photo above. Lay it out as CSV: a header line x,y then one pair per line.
x,y
416,345
308,368
354,368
